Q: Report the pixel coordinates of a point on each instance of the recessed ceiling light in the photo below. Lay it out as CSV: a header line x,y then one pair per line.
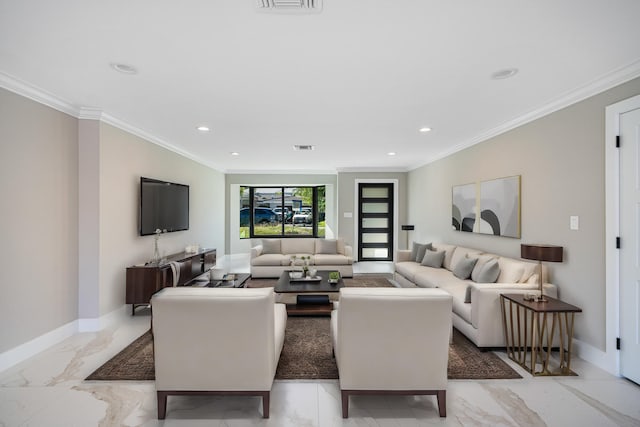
x,y
203,128
234,153
425,129
124,68
504,74
304,147
391,153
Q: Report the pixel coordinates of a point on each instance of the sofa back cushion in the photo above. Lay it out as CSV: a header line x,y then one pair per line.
x,y
510,270
448,253
271,246
298,246
460,253
326,246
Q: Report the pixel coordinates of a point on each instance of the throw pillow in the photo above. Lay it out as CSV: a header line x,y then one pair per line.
x,y
488,273
462,269
326,246
433,258
418,250
271,246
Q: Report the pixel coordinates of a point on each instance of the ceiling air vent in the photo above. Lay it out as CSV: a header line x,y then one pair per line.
x,y
304,147
308,6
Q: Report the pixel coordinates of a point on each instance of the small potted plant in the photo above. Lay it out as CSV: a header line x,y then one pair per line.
x,y
334,277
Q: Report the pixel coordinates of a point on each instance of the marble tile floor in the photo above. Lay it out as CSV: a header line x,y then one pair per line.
x,y
49,390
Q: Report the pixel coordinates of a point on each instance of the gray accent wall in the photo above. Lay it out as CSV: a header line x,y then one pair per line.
x,y
561,160
39,219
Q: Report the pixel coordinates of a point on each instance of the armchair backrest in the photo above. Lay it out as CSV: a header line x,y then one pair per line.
x,y
393,338
214,338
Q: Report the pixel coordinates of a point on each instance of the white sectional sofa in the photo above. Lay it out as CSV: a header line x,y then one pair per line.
x,y
273,256
476,306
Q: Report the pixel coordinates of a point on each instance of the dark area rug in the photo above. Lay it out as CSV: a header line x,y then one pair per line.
x,y
307,355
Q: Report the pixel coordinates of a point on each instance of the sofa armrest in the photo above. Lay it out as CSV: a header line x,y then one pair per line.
x,y
486,313
403,255
256,251
348,251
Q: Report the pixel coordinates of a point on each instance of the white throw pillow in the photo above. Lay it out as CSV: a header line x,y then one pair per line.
x,y
271,246
510,271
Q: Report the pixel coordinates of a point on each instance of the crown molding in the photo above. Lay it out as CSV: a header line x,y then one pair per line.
x,y
278,172
599,85
375,170
89,113
123,125
37,94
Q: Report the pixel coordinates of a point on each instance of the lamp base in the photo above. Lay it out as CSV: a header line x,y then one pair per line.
x,y
541,298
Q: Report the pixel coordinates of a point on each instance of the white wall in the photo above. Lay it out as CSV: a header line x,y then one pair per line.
x,y
561,160
39,219
124,158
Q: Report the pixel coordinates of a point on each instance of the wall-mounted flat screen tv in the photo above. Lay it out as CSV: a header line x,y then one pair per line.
x,y
163,205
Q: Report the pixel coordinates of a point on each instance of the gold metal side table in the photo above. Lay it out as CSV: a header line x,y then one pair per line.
x,y
532,329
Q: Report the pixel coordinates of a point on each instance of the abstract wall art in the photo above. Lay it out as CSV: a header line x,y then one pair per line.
x,y
464,207
499,208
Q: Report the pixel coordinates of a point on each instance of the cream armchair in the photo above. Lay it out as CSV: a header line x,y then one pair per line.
x,y
216,341
392,341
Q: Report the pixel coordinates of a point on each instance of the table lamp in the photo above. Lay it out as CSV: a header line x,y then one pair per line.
x,y
541,253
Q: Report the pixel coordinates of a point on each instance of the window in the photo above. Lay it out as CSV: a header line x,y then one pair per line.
x,y
282,212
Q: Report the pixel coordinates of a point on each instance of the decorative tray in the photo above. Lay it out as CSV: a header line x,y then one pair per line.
x,y
305,279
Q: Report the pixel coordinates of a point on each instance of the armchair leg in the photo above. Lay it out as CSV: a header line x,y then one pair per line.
x,y
345,404
265,405
162,404
442,402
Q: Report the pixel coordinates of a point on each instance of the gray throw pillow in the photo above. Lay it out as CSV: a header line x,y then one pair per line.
x,y
271,246
433,259
488,273
418,250
462,270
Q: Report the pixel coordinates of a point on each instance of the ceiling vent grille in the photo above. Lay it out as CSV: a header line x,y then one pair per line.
x,y
290,5
304,147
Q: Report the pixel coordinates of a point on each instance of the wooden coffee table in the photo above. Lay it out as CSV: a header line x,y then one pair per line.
x,y
310,289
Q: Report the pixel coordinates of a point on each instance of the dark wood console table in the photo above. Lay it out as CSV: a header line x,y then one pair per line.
x,y
145,280
531,330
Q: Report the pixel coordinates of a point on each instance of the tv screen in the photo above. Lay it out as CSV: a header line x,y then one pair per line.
x,y
163,205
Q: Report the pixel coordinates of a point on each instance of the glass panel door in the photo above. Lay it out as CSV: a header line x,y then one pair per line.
x,y
375,222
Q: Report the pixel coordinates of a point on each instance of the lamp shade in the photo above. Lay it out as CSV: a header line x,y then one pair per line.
x,y
541,252
408,227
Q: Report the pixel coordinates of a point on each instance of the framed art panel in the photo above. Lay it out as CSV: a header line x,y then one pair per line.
x,y
463,207
500,207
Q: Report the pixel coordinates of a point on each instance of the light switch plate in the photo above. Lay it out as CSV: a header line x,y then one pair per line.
x,y
574,222
348,214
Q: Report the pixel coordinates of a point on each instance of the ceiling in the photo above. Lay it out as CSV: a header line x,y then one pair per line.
x,y
356,80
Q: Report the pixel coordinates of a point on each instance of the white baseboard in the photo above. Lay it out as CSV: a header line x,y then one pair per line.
x,y
39,344
36,345
599,358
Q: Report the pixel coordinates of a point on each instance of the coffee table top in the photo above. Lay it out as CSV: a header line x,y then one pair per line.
x,y
285,284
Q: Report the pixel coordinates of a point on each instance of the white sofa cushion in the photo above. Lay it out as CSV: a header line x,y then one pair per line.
x,y
296,246
458,290
324,259
448,249
510,270
429,277
271,259
461,253
408,269
271,246
326,246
